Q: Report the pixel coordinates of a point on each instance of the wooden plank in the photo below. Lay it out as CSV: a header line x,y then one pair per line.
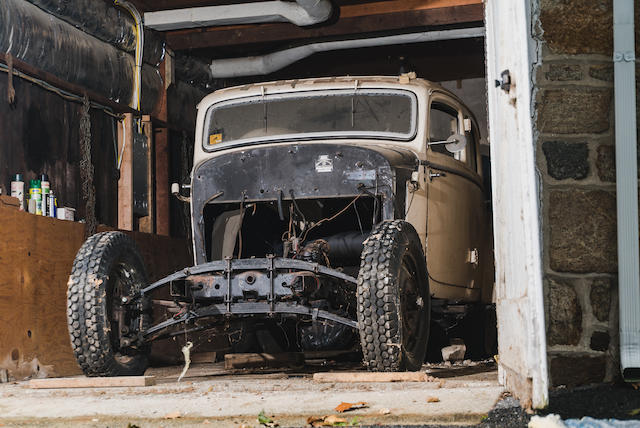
x,y
245,361
125,182
377,20
354,377
92,382
36,255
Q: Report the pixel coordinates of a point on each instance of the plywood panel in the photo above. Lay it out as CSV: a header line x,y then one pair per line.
x,y
36,256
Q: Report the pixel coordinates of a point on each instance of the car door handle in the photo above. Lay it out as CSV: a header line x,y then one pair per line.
x,y
433,175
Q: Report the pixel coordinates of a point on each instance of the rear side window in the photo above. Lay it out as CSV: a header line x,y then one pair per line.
x,y
443,122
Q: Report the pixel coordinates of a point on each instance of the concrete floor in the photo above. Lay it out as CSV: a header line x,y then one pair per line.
x,y
210,396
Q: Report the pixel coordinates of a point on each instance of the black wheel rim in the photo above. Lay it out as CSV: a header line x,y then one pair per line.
x,y
412,303
122,318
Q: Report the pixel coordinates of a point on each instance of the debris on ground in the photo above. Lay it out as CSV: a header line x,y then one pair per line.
x,y
331,421
173,415
549,421
266,420
186,351
455,351
433,400
346,407
384,411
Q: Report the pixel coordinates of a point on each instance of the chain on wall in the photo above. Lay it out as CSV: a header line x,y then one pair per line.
x,y
86,169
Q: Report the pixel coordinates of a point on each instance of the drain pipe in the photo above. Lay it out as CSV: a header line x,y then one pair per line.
x,y
627,188
269,63
302,13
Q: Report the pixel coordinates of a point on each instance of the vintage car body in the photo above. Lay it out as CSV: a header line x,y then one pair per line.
x,y
351,203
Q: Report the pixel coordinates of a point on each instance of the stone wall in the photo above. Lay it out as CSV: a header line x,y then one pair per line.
x,y
576,165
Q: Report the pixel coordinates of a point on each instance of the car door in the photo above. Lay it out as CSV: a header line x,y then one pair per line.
x,y
455,205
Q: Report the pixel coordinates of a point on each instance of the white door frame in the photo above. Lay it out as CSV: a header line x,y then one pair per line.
x,y
516,204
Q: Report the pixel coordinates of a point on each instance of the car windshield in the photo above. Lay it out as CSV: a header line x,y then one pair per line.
x,y
355,113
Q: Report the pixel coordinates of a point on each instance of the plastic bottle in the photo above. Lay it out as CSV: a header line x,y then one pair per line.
x,y
46,187
35,193
17,189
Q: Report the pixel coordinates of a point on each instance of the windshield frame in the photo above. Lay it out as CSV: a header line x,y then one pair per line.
x,y
323,135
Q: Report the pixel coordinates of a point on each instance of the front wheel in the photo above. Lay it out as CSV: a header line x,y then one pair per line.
x,y
103,326
394,304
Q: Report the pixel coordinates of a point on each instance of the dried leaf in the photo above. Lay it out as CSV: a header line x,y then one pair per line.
x,y
345,407
433,400
315,419
173,415
384,411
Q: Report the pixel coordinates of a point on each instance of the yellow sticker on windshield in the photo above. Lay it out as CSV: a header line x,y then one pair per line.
x,y
215,139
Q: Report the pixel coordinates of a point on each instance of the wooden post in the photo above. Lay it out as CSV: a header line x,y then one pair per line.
x,y
125,182
147,223
161,146
162,181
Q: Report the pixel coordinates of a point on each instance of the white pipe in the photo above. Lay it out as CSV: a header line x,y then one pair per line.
x,y
627,188
265,64
301,13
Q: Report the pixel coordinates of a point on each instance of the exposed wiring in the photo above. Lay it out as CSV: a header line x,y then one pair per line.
x,y
355,208
324,220
137,80
139,32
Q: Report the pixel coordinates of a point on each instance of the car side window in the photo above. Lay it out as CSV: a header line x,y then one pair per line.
x,y
443,122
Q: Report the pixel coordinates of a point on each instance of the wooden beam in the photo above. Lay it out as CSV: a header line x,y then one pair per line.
x,y
125,181
356,19
92,382
355,377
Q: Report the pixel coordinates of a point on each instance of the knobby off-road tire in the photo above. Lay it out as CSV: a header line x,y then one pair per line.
x,y
393,299
106,268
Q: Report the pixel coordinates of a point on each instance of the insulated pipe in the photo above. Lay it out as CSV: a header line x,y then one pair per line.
x,y
52,45
269,63
301,13
627,188
105,22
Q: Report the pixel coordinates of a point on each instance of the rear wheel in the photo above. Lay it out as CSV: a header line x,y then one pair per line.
x,y
103,325
393,299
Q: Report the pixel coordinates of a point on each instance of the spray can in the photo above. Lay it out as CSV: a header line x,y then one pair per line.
x,y
17,189
46,187
51,208
35,193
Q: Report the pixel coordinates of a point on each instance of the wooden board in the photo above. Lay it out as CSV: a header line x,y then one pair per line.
x,y
354,377
125,182
92,382
245,361
36,255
